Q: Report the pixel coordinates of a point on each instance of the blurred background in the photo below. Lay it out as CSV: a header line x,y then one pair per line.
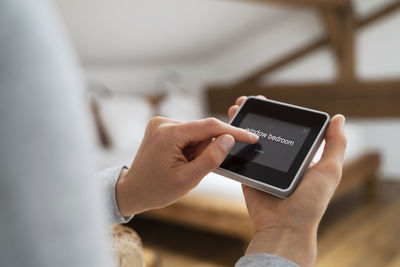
x,y
187,59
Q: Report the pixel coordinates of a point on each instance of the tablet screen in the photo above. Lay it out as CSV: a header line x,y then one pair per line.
x,y
278,145
287,134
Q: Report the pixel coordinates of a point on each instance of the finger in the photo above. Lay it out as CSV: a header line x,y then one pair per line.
x,y
232,111
240,100
331,161
208,128
211,157
199,148
234,108
193,149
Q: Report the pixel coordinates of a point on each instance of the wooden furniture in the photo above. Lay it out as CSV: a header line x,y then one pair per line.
x,y
225,216
353,233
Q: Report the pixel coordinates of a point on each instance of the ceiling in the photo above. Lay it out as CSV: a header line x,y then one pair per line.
x,y
154,31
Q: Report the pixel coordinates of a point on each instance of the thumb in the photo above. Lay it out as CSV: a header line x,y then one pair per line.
x,y
211,157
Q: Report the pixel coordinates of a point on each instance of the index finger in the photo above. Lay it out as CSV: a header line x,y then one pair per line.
x,y
208,128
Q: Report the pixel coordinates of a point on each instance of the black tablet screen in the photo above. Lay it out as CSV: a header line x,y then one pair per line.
x,y
278,145
287,133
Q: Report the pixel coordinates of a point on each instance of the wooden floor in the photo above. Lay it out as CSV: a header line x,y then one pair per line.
x,y
354,232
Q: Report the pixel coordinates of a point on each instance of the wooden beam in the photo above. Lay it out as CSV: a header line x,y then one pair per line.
x,y
330,17
313,46
297,54
340,29
381,13
362,99
346,64
316,3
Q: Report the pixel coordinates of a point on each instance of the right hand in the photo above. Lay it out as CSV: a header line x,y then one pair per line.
x,y
172,159
288,227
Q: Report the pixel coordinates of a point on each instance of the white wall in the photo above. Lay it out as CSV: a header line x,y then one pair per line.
x,y
383,135
130,44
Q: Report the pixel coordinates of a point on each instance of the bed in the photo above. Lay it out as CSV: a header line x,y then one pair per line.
x,y
217,204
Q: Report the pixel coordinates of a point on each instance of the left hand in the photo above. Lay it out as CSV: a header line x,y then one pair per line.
x,y
288,227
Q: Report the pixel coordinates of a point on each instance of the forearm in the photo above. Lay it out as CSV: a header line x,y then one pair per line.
x,y
292,244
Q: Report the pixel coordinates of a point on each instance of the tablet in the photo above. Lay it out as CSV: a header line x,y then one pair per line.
x,y
289,137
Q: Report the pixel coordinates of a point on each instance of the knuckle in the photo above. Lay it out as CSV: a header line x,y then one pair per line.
x,y
212,122
156,126
156,121
161,131
171,128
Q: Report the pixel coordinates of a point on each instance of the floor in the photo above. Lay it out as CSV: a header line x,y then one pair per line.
x,y
353,232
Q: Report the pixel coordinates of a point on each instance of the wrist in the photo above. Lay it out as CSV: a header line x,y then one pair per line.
x,y
298,246
128,201
121,194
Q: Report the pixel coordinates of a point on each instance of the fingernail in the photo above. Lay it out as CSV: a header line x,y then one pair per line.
x,y
252,135
343,120
227,142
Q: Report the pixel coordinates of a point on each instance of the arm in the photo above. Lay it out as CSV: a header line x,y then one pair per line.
x,y
288,227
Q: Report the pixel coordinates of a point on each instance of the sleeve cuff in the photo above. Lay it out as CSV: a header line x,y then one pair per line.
x,y
264,260
109,178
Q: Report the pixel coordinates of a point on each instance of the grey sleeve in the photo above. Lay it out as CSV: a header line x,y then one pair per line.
x,y
109,178
264,260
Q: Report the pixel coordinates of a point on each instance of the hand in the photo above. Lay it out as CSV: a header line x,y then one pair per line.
x,y
288,227
172,159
